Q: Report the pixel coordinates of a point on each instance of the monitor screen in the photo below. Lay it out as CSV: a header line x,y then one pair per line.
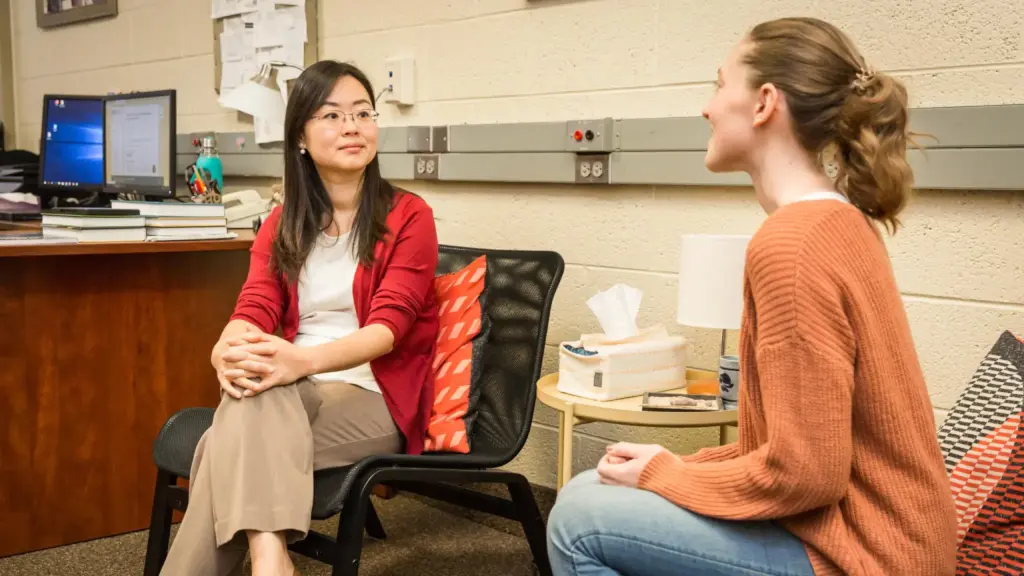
x,y
140,143
72,146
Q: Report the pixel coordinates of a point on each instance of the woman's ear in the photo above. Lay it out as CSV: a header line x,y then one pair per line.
x,y
769,100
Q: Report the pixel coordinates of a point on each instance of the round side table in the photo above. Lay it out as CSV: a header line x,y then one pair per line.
x,y
574,410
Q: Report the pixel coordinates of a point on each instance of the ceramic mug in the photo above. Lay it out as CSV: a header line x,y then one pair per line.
x,y
729,378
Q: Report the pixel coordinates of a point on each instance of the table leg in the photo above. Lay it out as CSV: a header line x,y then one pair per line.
x,y
559,482
565,445
723,435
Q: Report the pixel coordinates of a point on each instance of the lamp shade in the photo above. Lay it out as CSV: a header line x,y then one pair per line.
x,y
259,96
711,280
255,99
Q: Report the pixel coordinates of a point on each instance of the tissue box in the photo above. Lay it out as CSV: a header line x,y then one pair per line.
x,y
596,368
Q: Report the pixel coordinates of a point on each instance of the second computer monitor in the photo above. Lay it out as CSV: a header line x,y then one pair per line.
x,y
139,145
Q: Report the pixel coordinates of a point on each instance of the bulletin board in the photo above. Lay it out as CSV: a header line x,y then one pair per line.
x,y
310,53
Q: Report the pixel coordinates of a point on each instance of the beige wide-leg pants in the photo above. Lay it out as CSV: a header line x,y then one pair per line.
x,y
253,469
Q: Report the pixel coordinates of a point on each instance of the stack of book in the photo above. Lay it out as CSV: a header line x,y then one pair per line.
x,y
93,224
179,220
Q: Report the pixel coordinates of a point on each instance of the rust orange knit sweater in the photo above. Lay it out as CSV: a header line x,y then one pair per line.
x,y
837,438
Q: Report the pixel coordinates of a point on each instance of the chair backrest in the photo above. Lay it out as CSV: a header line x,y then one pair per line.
x,y
520,288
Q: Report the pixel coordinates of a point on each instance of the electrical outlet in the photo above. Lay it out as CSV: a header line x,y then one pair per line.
x,y
425,167
592,169
400,78
589,135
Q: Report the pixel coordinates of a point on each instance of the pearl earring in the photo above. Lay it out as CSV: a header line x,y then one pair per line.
x,y
302,150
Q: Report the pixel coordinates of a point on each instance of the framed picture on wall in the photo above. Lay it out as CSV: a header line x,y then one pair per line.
x,y
51,13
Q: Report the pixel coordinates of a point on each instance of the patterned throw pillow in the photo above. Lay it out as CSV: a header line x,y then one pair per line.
x,y
462,330
983,443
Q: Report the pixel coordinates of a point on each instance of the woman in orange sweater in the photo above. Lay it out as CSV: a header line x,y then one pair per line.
x,y
837,468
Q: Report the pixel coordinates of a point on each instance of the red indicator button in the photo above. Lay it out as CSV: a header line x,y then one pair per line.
x,y
577,135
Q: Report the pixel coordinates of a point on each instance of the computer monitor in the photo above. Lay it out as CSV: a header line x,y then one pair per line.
x,y
71,146
140,143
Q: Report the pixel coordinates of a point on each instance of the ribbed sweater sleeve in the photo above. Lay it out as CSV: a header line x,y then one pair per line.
x,y
803,352
713,454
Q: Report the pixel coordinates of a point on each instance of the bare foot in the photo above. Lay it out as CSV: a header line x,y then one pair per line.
x,y
269,553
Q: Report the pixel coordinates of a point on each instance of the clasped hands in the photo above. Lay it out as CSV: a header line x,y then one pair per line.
x,y
254,362
624,462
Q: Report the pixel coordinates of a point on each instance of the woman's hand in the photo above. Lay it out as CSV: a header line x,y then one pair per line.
x,y
251,335
623,463
273,360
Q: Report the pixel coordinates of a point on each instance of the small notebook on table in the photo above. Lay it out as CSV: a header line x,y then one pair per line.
x,y
678,402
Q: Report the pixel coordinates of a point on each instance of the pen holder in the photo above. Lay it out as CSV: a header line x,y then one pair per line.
x,y
203,187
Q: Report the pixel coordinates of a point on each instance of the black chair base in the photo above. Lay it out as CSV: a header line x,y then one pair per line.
x,y
345,551
437,484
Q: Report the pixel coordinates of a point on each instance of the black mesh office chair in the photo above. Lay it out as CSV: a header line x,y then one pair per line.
x,y
517,301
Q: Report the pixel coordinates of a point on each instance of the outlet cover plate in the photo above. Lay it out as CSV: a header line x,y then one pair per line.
x,y
599,132
592,169
425,166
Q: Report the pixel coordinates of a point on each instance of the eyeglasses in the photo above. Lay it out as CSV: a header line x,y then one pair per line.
x,y
335,119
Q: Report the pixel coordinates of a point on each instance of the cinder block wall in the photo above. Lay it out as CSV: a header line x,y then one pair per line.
x,y
959,261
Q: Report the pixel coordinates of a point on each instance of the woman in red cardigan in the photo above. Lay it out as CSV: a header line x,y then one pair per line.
x,y
345,270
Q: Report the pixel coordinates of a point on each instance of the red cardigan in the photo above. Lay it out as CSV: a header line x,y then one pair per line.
x,y
396,292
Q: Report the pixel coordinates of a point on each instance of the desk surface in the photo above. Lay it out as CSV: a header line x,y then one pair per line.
x,y
243,242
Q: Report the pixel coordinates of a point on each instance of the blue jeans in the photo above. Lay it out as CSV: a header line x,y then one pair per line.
x,y
599,530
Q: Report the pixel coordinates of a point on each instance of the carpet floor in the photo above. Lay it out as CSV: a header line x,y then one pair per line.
x,y
424,537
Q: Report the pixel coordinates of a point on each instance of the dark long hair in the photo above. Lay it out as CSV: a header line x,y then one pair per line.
x,y
307,209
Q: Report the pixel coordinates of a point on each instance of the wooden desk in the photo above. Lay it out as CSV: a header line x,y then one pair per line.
x,y
99,344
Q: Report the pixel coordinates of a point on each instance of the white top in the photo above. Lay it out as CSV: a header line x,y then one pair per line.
x,y
326,308
824,195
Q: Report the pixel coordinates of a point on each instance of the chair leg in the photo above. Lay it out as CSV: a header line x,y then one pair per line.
x,y
350,534
533,524
373,524
159,524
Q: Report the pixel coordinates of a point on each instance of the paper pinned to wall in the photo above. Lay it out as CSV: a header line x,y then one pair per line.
x,y
234,73
256,33
271,29
267,130
226,8
233,25
235,46
280,27
297,29
292,53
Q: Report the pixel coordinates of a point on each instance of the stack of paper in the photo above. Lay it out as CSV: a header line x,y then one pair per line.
x,y
258,32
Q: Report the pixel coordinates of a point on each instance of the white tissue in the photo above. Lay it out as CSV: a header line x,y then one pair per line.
x,y
616,309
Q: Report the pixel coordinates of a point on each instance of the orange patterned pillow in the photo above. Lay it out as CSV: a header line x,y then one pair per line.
x,y
460,311
982,439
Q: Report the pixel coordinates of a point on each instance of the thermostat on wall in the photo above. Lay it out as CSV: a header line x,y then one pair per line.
x,y
400,77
